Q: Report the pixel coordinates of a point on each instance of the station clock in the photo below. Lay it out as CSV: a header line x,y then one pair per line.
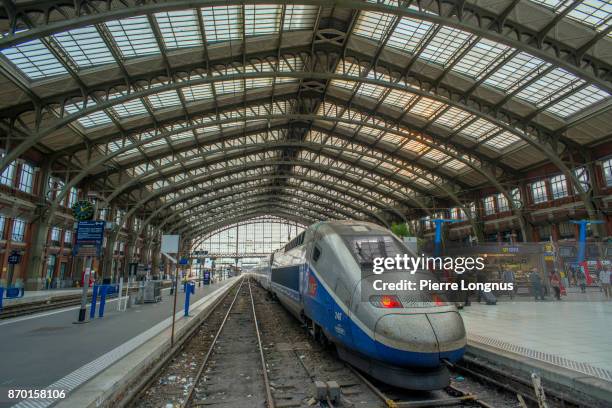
x,y
83,210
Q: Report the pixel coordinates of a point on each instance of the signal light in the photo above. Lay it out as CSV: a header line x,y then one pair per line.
x,y
386,301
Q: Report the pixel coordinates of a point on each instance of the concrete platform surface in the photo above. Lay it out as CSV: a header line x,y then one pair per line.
x,y
574,335
38,350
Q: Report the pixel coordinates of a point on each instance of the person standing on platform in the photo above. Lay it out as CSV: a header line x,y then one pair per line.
x,y
604,280
555,282
536,284
508,277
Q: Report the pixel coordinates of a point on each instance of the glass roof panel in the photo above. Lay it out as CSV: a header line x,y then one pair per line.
x,y
453,117
502,140
197,92
594,13
578,101
133,36
545,87
373,25
131,108
519,69
445,44
408,34
299,17
261,19
426,107
229,87
164,99
179,29
34,59
98,118
85,47
479,129
222,23
481,58
399,99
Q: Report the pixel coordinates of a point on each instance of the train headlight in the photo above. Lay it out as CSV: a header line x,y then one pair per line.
x,y
386,301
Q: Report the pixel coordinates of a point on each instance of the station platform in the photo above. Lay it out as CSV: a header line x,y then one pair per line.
x,y
566,342
54,353
32,296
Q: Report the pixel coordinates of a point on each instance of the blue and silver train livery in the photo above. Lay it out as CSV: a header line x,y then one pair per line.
x,y
324,276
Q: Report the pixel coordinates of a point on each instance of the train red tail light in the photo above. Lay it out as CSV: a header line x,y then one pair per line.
x,y
386,301
438,300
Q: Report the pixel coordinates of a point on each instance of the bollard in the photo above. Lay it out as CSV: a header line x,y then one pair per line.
x,y
189,290
94,298
1,294
120,294
103,291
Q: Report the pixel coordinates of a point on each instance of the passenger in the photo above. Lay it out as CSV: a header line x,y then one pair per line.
x,y
536,284
508,277
555,282
581,279
604,280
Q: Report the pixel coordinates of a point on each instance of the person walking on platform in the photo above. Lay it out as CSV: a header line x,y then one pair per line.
x,y
581,279
536,284
508,277
604,280
555,282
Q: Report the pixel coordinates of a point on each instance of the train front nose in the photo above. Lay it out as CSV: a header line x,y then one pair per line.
x,y
420,339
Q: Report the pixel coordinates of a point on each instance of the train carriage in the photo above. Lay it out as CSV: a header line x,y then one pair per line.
x,y
324,277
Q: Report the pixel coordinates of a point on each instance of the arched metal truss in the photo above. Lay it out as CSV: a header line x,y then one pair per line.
x,y
352,107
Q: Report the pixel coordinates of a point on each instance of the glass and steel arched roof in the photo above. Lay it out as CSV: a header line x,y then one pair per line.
x,y
327,109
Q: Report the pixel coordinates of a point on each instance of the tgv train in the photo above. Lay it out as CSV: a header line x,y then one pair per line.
x,y
324,277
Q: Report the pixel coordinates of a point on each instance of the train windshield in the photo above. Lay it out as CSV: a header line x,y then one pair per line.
x,y
366,248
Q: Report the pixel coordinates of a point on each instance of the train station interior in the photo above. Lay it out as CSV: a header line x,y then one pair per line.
x,y
163,162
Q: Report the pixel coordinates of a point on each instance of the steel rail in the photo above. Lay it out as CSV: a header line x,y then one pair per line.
x,y
211,349
264,366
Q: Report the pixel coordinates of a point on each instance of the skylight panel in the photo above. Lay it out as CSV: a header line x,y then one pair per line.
x,y
94,119
85,47
261,19
133,36
518,70
181,136
595,13
373,25
299,17
446,43
545,87
371,90
164,99
481,58
399,99
480,129
453,117
34,59
426,107
578,101
222,23
408,34
435,155
258,83
130,108
502,140
455,164
197,93
229,87
179,29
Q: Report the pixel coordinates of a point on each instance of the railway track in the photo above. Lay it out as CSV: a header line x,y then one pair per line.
x,y
250,352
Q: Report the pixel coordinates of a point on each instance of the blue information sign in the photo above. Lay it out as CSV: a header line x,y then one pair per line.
x,y
184,261
90,233
14,258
